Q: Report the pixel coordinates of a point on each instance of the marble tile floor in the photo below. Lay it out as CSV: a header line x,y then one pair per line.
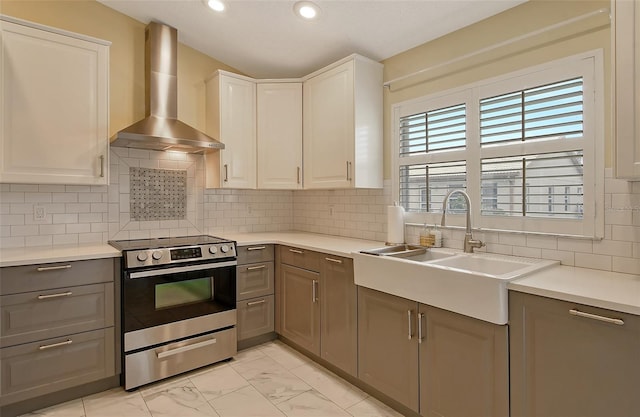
x,y
267,380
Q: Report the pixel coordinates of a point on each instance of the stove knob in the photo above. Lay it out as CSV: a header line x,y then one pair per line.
x,y
224,248
213,250
157,255
142,256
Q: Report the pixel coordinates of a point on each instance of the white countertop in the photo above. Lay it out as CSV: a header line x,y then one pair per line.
x,y
610,290
56,253
334,245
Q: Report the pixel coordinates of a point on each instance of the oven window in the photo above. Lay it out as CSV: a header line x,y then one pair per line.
x,y
179,293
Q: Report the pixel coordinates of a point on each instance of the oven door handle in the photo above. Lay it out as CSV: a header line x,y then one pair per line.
x,y
188,268
186,348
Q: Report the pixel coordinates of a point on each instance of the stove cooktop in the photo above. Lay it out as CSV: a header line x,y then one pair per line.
x,y
166,242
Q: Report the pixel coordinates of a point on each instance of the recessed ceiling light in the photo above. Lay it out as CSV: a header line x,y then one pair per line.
x,y
306,10
216,5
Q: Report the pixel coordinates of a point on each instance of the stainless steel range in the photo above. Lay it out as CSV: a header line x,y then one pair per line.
x,y
178,305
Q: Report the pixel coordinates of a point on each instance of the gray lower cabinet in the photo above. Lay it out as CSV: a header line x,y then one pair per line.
x,y
58,327
255,285
435,362
572,360
318,305
300,309
387,349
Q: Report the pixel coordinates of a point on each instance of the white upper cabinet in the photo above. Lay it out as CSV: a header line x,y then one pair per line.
x,y
54,108
231,118
626,61
280,135
342,125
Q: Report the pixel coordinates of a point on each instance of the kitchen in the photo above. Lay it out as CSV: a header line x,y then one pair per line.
x,y
86,215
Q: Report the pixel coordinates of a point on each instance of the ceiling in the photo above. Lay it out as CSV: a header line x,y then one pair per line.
x,y
264,39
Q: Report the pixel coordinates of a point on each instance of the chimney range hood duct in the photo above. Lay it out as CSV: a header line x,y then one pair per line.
x,y
161,130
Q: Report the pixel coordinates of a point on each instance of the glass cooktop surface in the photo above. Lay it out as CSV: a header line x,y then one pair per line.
x,y
166,242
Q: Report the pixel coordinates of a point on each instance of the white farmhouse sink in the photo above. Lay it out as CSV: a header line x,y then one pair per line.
x,y
471,284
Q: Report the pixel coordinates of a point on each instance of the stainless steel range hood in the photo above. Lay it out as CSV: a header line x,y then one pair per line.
x,y
160,129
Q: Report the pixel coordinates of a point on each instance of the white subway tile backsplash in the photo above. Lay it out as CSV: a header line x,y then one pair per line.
x,y
626,265
40,240
612,247
65,218
26,230
625,233
24,188
590,260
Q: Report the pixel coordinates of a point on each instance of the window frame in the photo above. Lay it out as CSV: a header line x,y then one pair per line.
x,y
588,65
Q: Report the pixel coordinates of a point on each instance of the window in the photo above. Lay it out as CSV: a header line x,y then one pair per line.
x,y
523,146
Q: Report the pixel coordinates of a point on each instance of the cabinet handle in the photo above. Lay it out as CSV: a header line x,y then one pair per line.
x,y
102,166
52,268
349,171
55,345
226,173
314,290
298,175
253,268
579,313
410,326
254,303
296,251
175,351
62,294
257,248
420,336
338,261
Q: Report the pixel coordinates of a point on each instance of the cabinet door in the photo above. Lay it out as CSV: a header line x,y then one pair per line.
x,y
387,348
53,109
339,314
569,365
299,308
279,135
626,55
462,357
238,132
328,139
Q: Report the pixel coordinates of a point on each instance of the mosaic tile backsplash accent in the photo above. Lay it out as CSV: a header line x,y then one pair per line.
x,y
158,194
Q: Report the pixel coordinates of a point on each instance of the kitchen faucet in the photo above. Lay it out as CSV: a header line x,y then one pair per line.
x,y
469,241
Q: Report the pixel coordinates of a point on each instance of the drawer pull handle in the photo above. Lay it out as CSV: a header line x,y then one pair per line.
x,y
296,251
314,290
410,334
52,268
62,294
255,303
338,261
55,345
579,313
101,166
257,248
253,268
187,348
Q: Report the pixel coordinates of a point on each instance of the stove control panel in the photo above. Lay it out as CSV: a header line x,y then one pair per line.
x,y
165,256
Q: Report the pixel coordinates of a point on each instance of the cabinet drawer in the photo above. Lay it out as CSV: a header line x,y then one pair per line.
x,y
301,258
17,279
254,253
255,317
52,365
254,280
32,316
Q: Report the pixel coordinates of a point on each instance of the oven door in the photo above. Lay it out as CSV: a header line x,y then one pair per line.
x,y
159,296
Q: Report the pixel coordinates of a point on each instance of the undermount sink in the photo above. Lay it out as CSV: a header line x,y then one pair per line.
x,y
471,284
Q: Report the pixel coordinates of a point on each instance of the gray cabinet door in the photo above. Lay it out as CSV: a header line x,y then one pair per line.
x,y
45,314
463,366
255,317
254,280
339,314
51,365
299,308
387,348
570,364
